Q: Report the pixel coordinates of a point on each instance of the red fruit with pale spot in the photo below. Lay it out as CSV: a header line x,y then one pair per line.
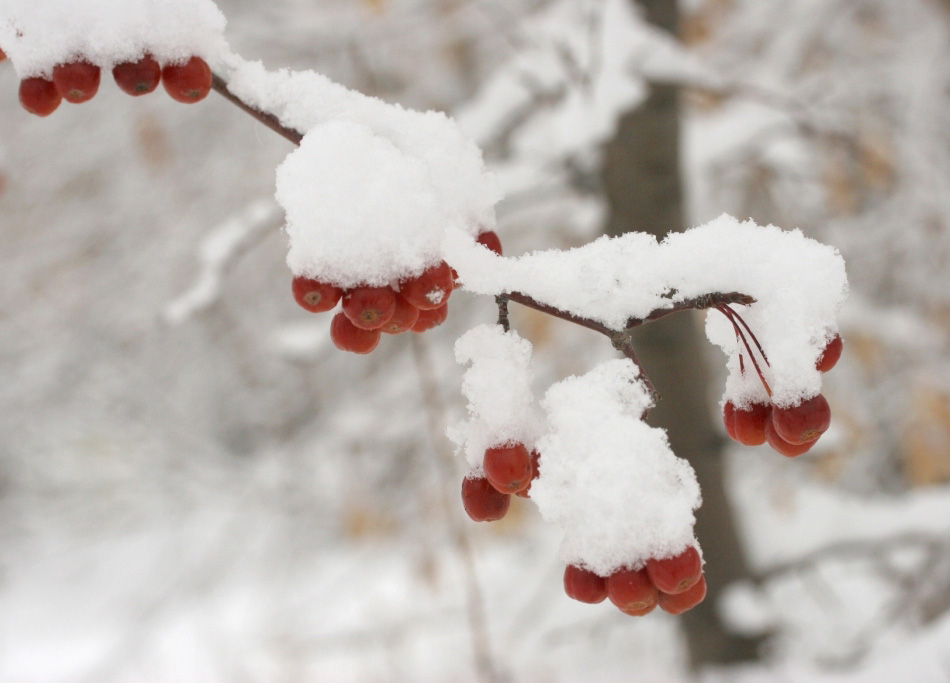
x,y
315,296
632,591
189,82
482,502
508,468
138,78
369,308
749,424
687,600
39,96
490,239
431,318
829,357
429,290
676,574
802,423
729,419
404,317
347,337
584,586
526,492
780,445
76,82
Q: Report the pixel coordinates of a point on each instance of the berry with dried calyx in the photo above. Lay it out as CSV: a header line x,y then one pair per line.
x,y
431,318
39,96
315,296
802,423
830,355
749,424
369,308
535,472
490,239
429,290
583,585
687,600
676,574
76,82
348,337
632,591
508,468
482,501
188,82
404,317
138,78
780,445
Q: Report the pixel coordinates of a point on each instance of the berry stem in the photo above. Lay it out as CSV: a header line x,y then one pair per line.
x,y
724,308
745,342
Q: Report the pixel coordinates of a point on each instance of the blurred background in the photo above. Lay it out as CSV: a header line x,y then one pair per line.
x,y
195,485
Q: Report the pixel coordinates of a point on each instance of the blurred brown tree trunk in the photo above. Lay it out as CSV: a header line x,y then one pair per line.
x,y
642,180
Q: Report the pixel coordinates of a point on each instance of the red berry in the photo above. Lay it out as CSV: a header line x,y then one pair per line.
x,y
188,82
632,591
508,468
429,290
782,446
687,600
489,239
535,472
829,357
369,308
77,82
3,55
315,296
38,96
676,574
347,337
482,502
804,422
138,78
729,419
584,585
431,318
749,424
404,317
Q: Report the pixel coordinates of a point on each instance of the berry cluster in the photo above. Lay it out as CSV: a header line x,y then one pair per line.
x,y
676,584
791,430
418,303
509,468
78,82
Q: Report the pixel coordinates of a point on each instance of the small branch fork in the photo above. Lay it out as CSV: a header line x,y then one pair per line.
x,y
621,339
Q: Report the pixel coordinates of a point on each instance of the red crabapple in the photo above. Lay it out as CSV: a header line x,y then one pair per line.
x,y
348,337
39,96
188,82
749,424
632,591
729,419
535,472
3,55
804,422
508,468
369,308
489,239
676,574
429,290
404,317
482,502
315,296
583,585
687,600
138,78
830,355
782,446
431,318
77,82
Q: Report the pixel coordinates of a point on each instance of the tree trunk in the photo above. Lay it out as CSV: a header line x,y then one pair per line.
x,y
642,180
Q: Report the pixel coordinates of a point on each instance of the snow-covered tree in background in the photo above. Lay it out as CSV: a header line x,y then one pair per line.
x,y
610,481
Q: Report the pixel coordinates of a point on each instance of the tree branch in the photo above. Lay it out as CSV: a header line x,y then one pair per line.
x,y
220,86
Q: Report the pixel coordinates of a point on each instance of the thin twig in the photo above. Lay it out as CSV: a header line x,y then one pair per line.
x,y
220,86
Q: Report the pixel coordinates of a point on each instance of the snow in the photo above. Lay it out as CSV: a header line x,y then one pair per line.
x,y
38,35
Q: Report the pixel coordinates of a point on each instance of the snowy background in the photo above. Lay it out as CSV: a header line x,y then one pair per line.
x,y
195,485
